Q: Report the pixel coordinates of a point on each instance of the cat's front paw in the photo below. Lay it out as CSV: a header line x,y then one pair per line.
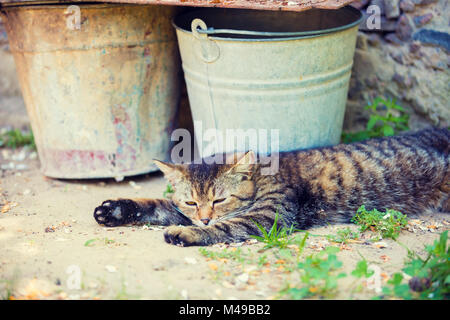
x,y
185,236
113,213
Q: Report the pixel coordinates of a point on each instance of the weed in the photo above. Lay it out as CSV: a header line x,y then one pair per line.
x,y
343,235
318,275
15,138
362,270
168,191
123,294
276,237
388,223
235,254
301,242
6,289
8,286
387,118
92,242
430,277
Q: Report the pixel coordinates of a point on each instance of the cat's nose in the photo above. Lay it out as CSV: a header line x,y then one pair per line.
x,y
205,221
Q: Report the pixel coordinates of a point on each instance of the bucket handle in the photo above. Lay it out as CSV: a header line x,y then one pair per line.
x,y
212,31
209,51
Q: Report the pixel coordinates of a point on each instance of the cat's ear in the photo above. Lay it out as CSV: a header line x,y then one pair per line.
x,y
245,165
172,172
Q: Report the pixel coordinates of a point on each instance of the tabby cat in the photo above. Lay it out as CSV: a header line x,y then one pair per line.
x,y
220,203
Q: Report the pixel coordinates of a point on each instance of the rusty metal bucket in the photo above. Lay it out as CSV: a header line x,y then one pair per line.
x,y
269,70
101,85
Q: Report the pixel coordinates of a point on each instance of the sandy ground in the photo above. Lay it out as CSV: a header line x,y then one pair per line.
x,y
52,248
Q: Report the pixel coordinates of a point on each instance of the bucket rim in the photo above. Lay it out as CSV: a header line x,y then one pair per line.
x,y
274,36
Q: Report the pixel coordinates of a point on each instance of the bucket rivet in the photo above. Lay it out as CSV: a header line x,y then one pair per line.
x,y
208,50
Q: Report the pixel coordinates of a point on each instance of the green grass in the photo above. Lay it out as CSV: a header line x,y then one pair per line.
x,y
168,191
343,235
386,118
103,241
276,237
388,223
16,138
8,286
237,255
430,277
6,289
318,276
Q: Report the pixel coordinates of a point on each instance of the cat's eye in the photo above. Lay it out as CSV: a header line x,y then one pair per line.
x,y
191,203
219,201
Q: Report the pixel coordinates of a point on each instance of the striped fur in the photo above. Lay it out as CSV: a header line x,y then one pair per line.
x,y
221,203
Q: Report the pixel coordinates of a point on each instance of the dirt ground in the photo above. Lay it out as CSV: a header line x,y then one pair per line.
x,y
52,248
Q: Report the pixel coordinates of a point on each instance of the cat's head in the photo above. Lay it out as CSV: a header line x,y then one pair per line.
x,y
207,193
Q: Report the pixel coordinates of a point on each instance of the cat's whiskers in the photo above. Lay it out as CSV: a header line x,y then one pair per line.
x,y
232,214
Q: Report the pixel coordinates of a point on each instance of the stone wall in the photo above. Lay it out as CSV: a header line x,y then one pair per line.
x,y
407,59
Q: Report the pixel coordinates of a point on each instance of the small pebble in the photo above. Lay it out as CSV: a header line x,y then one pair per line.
x,y
111,268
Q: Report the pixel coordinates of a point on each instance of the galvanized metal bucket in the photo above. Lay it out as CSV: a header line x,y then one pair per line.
x,y
101,84
269,70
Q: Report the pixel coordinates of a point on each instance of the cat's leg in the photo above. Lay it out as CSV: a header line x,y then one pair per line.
x,y
231,230
113,213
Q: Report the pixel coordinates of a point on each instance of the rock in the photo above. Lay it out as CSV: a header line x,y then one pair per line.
x,y
420,106
8,166
388,25
402,81
190,260
414,50
184,294
393,39
243,278
419,284
19,156
381,245
111,268
391,8
425,2
21,166
119,178
433,37
414,47
398,57
434,61
374,40
407,6
359,4
361,41
364,63
159,267
404,28
419,21
371,82
379,4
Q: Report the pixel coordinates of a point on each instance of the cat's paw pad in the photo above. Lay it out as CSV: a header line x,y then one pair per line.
x,y
112,213
183,236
